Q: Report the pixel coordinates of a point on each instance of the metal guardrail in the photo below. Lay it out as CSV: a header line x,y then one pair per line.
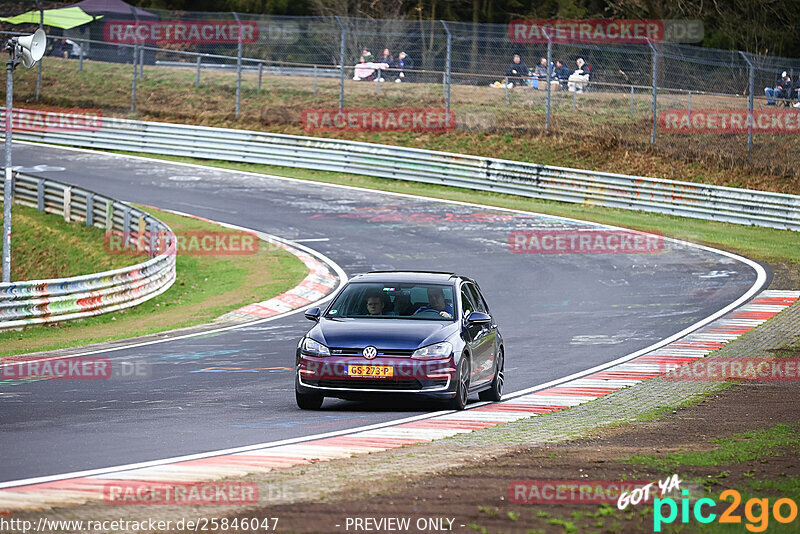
x,y
701,201
46,301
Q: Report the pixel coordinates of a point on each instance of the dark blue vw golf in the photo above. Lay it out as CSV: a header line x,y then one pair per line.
x,y
402,333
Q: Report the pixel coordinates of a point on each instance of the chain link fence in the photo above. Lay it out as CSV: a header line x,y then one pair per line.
x,y
270,68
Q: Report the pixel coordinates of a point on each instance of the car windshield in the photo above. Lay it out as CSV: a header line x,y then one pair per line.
x,y
427,302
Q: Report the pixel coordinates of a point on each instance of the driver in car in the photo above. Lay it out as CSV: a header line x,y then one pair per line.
x,y
437,302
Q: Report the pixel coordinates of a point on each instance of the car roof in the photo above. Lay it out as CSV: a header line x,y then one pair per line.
x,y
436,277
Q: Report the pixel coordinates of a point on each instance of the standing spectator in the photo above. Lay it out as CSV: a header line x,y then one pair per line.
x,y
402,64
517,72
782,89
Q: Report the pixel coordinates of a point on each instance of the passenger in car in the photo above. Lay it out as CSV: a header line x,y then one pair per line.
x,y
376,304
437,302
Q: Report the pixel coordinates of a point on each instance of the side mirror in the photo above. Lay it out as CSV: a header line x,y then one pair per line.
x,y
478,318
312,314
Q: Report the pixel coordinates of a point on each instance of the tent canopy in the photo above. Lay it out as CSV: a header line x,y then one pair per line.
x,y
114,7
66,18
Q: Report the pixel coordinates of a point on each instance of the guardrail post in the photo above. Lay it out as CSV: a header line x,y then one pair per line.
x,y
153,239
68,204
447,65
141,234
109,216
126,226
751,90
341,61
133,87
238,68
197,77
315,79
260,74
630,113
547,99
40,194
655,92
89,209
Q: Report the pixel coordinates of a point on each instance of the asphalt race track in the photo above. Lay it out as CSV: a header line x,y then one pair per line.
x,y
559,314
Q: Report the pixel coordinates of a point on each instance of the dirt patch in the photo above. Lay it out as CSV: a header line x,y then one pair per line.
x,y
477,495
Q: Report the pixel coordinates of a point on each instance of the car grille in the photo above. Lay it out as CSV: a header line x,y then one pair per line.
x,y
390,353
384,384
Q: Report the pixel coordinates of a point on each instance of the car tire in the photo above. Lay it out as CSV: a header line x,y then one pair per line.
x,y
495,392
308,401
459,402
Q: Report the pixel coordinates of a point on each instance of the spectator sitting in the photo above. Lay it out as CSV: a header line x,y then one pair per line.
x,y
577,81
781,90
797,92
562,73
403,63
76,48
367,55
517,72
541,69
365,70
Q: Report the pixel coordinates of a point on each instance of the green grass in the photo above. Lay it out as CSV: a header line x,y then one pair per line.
x,y
207,287
764,244
745,447
44,246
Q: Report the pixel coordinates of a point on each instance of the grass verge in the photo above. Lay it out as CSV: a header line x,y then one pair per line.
x,y
207,287
763,244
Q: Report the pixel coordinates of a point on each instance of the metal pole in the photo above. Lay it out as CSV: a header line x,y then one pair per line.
x,y
8,185
655,92
197,78
238,68
547,99
751,84
505,87
80,56
315,79
141,62
39,66
380,79
341,64
689,112
574,98
447,70
133,86
260,74
630,113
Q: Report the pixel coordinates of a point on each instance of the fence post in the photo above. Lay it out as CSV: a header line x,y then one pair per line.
x,y
630,113
238,67
505,87
80,56
447,67
547,99
655,92
141,62
260,74
341,60
689,111
39,66
133,86
315,79
751,85
197,78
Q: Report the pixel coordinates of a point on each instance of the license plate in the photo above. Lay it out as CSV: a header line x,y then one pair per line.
x,y
370,370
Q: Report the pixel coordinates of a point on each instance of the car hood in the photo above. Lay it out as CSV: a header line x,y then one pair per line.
x,y
382,333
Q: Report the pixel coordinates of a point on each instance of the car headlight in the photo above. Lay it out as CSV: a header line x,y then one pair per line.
x,y
315,348
435,351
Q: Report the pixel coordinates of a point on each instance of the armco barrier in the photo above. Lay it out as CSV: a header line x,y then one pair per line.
x,y
742,206
47,301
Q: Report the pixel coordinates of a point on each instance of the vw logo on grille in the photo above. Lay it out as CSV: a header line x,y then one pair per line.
x,y
370,352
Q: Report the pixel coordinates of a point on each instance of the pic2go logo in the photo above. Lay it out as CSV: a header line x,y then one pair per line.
x,y
757,522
